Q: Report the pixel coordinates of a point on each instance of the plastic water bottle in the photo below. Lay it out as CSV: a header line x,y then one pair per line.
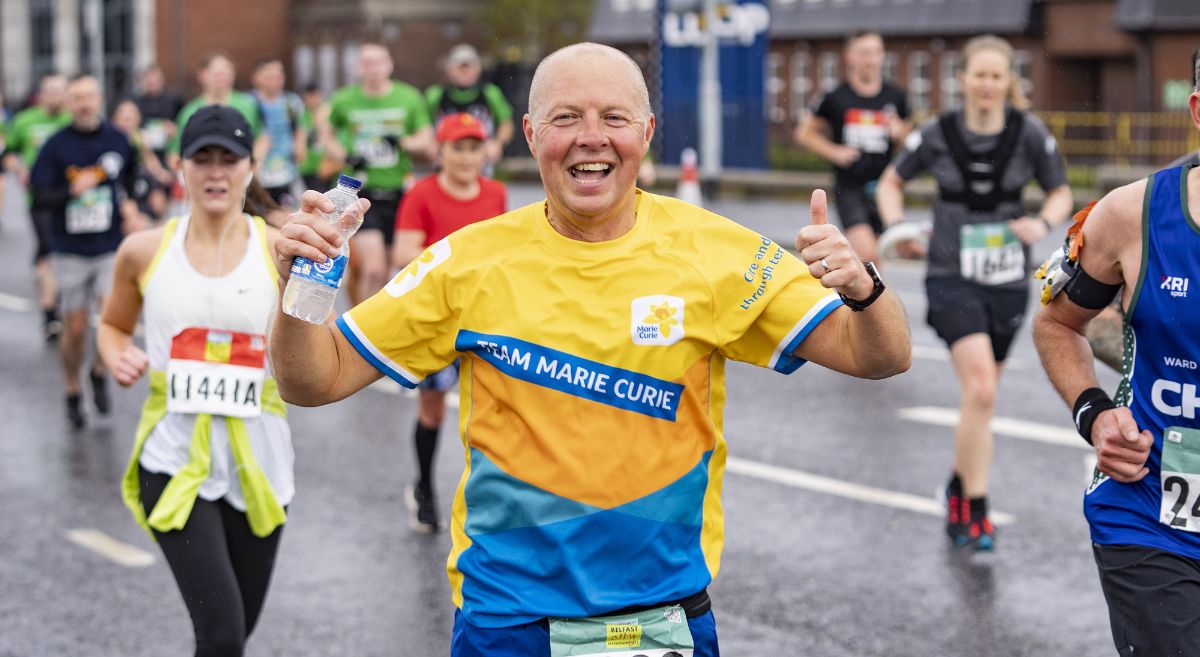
x,y
313,286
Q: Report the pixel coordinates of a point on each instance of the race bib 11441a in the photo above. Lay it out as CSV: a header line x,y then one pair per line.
x,y
216,372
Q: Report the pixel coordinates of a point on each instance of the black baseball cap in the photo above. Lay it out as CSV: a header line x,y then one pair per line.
x,y
217,125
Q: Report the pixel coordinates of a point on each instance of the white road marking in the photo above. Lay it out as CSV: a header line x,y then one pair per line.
x,y
110,548
848,490
14,303
1003,426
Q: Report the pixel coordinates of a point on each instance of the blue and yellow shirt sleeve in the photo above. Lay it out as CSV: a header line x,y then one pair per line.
x,y
767,304
407,329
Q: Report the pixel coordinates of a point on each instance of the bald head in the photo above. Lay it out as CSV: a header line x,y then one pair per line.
x,y
587,56
52,92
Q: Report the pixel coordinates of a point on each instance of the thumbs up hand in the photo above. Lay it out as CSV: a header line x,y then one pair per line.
x,y
829,256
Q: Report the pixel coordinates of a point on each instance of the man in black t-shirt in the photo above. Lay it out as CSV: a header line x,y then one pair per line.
x,y
855,127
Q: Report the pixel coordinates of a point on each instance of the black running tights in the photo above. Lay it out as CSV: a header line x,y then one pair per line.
x,y
221,567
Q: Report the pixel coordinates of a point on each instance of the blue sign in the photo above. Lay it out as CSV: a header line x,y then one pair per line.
x,y
742,30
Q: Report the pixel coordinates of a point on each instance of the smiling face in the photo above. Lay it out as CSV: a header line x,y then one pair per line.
x,y
216,179
589,128
986,77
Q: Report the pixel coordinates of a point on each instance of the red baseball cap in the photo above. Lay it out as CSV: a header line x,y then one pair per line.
x,y
460,126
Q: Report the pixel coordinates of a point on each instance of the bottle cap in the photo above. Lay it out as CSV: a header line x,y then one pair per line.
x,y
350,181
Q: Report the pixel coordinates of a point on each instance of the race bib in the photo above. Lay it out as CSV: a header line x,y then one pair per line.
x,y
216,372
867,130
1180,479
658,632
277,171
377,150
154,134
90,213
991,254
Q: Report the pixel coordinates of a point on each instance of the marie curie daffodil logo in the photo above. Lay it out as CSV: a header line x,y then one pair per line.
x,y
657,320
663,315
417,270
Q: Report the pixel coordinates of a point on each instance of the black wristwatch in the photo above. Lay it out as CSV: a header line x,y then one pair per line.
x,y
859,306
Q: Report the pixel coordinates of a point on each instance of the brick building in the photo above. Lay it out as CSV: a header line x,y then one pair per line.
x,y
1079,55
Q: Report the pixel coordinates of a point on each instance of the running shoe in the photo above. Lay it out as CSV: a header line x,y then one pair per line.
x,y
51,326
422,510
100,392
967,522
75,412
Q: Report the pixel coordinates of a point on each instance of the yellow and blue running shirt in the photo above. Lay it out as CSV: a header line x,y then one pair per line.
x,y
592,395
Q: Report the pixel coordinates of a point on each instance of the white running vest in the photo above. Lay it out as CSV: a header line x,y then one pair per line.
x,y
175,297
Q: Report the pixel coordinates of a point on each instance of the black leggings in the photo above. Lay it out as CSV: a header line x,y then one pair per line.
x,y
221,567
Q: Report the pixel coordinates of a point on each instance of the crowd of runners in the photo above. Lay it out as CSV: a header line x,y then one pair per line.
x,y
594,449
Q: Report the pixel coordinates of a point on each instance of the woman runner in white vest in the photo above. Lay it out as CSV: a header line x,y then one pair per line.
x,y
211,470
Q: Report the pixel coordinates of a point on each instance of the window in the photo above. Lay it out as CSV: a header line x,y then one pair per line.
x,y
951,88
891,61
119,74
1023,69
41,18
827,74
802,85
919,81
303,66
350,61
774,87
327,67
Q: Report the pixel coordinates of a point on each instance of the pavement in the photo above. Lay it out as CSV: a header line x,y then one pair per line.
x,y
835,545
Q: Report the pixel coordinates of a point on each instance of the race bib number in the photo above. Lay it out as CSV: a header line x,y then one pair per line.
x,y
991,254
277,171
659,632
154,134
867,130
90,213
377,151
1180,479
216,372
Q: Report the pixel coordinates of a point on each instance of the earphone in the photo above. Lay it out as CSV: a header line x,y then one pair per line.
x,y
249,179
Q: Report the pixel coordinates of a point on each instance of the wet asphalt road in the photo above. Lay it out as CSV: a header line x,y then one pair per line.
x,y
805,572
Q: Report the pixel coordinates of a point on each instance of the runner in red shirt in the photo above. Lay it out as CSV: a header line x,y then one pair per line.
x,y
458,195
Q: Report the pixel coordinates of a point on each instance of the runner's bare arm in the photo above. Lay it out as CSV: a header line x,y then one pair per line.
x,y
114,337
314,364
1056,208
1111,254
889,196
874,343
421,143
407,246
813,134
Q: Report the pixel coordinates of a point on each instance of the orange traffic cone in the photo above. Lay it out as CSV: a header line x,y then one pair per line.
x,y
688,189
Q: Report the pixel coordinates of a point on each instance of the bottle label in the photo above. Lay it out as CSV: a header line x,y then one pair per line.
x,y
328,273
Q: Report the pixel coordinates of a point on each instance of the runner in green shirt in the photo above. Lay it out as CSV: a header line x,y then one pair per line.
x,y
216,75
315,123
465,91
378,125
26,134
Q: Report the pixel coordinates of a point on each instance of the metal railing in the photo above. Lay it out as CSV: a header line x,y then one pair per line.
x,y
1122,138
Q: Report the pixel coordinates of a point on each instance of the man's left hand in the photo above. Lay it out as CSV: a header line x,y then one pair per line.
x,y
829,255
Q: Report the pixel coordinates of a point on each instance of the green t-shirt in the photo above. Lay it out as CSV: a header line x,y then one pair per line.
x,y
31,128
312,163
485,102
239,101
370,128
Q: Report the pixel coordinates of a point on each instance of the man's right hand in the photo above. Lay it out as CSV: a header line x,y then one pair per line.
x,y
843,156
308,235
1121,450
84,181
